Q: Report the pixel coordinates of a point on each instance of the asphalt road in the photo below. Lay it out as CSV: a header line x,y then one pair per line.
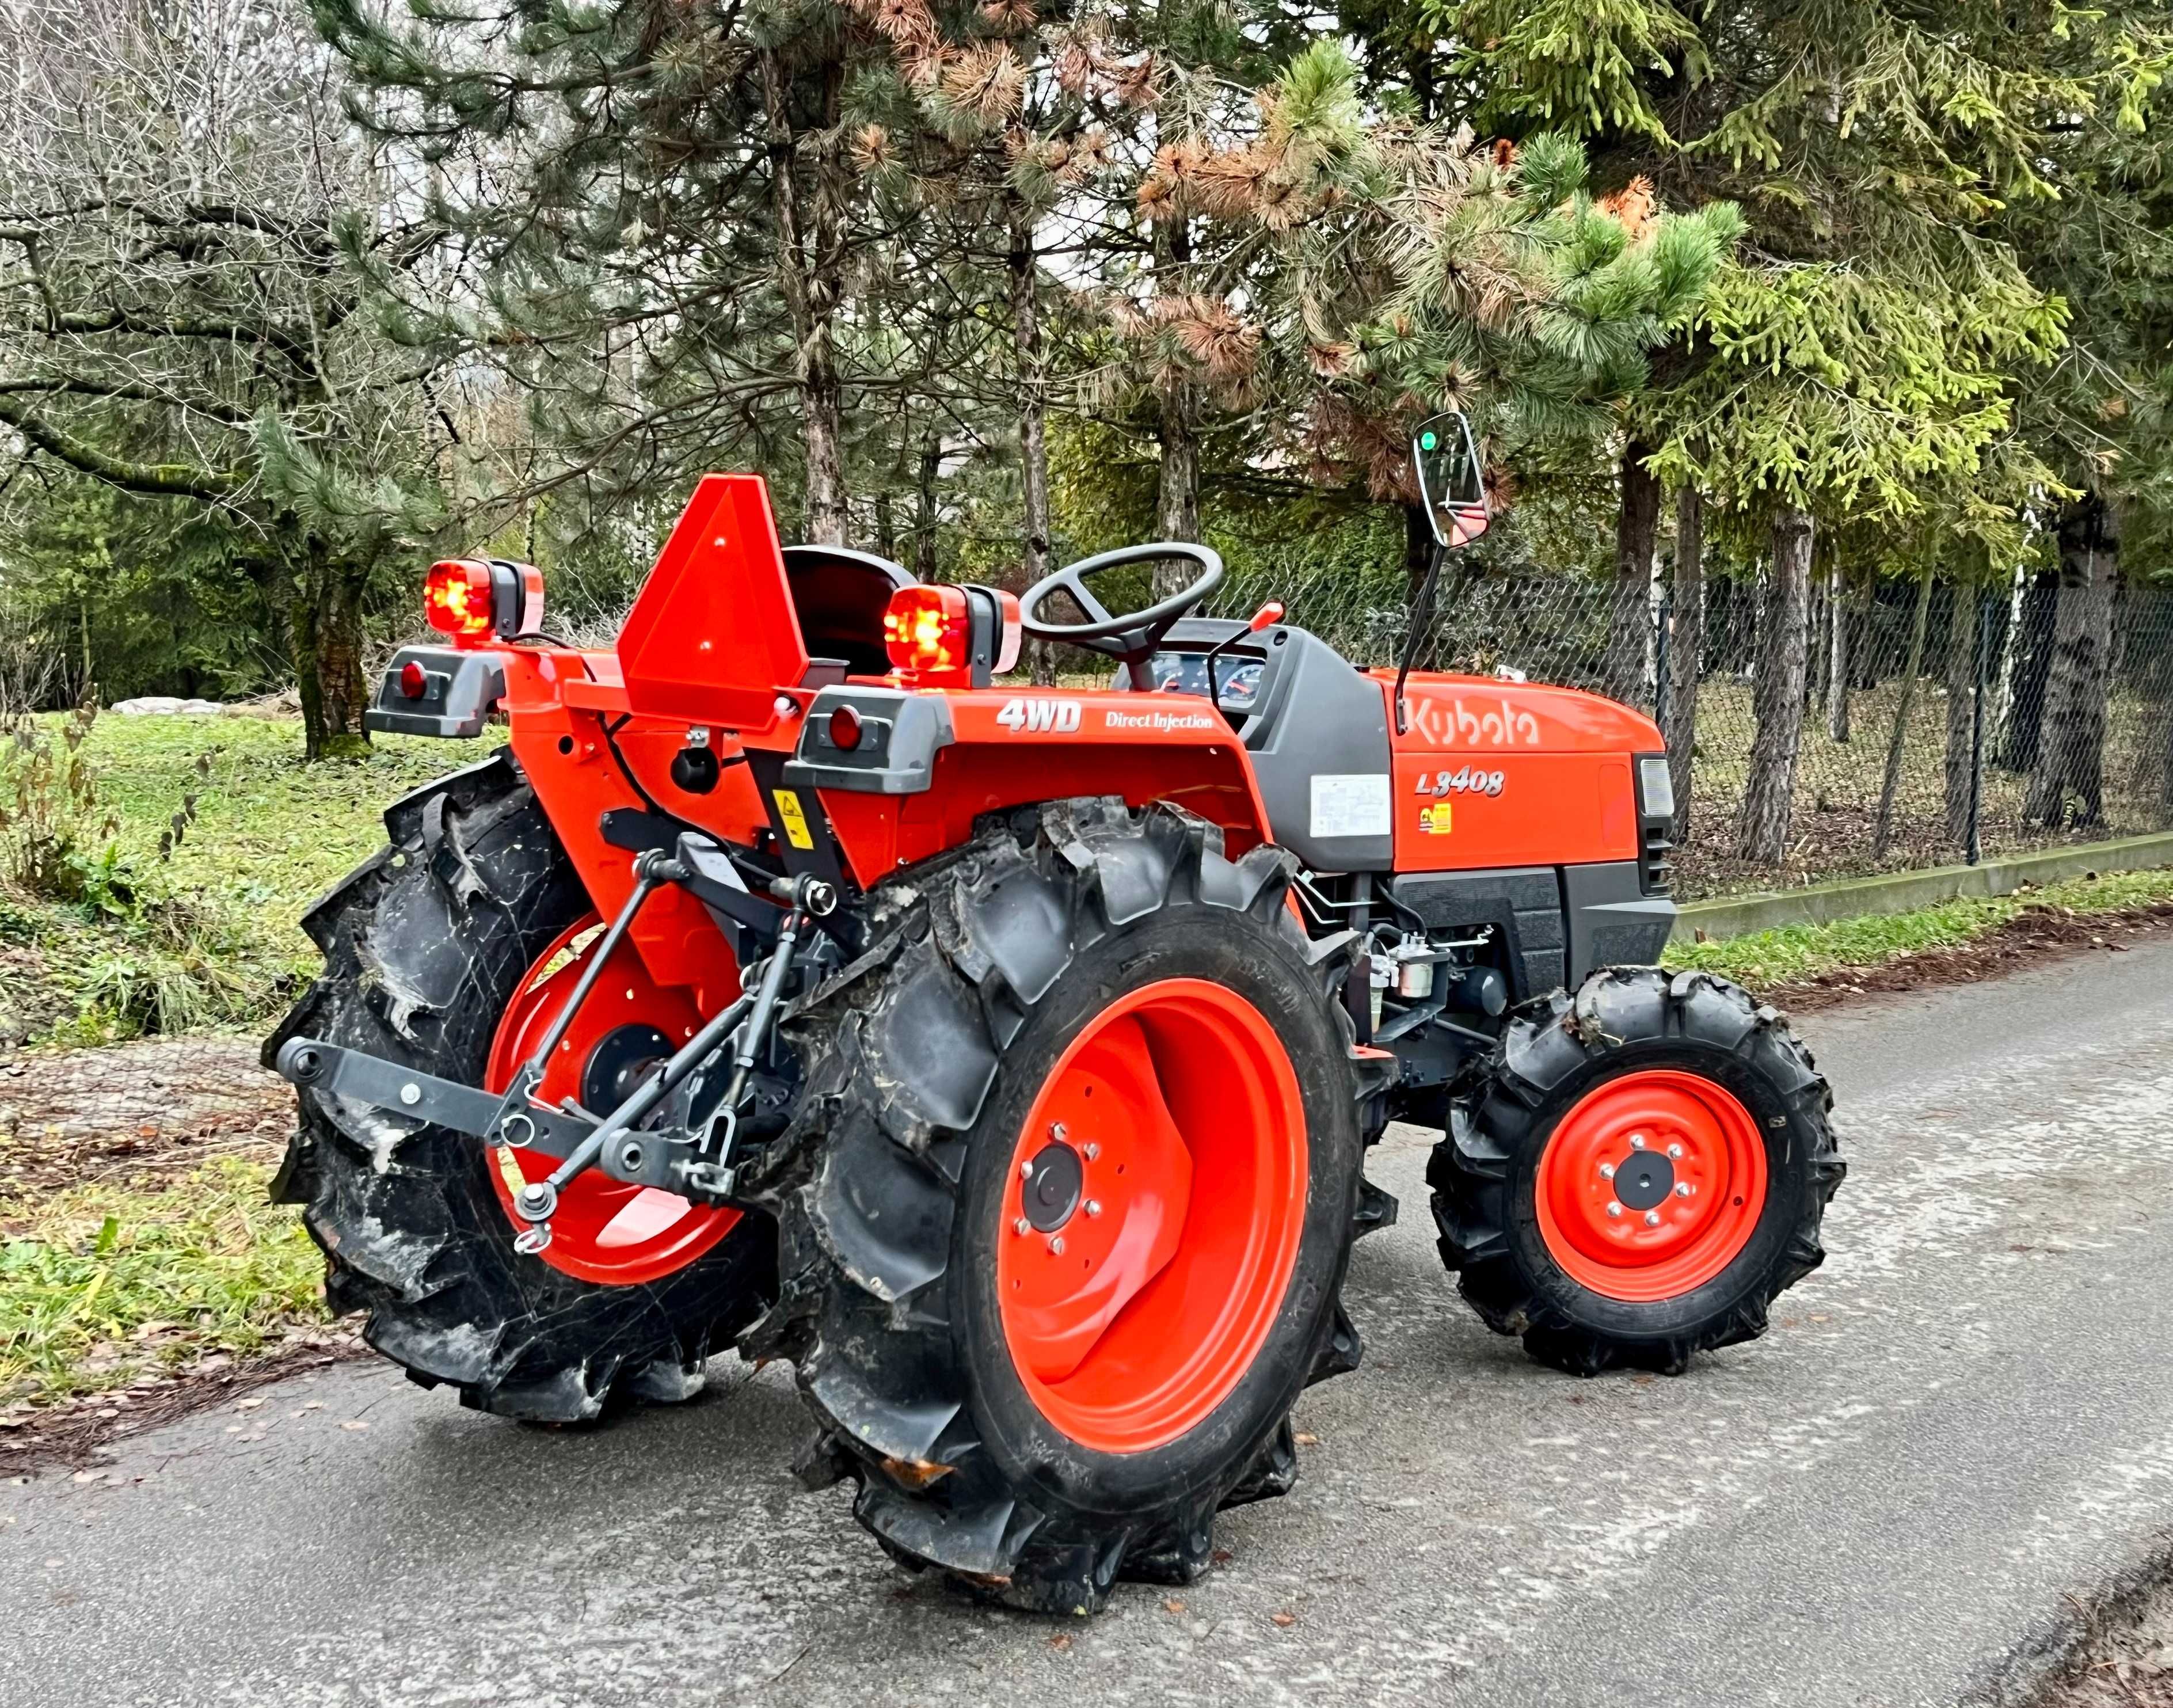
x,y
1967,1414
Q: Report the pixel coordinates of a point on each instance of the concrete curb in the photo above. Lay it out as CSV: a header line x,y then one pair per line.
x,y
1731,916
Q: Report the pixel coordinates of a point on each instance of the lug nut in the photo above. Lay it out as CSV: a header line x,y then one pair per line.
x,y
1026,1170
1092,1150
1614,1208
1607,1171
1636,1141
1094,1206
1021,1226
1685,1190
1651,1218
1676,1151
1056,1131
1056,1247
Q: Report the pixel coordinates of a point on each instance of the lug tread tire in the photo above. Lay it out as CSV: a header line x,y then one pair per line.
x,y
1501,1115
424,945
905,1046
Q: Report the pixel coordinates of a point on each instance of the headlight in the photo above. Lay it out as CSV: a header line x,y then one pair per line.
x,y
1656,786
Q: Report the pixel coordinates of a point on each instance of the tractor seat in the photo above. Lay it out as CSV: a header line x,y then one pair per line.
x,y
839,596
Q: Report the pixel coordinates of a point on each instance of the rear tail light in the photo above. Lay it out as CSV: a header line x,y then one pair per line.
x,y
456,598
414,681
845,729
928,630
474,598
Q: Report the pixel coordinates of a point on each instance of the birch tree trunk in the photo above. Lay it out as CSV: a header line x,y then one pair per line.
x,y
1898,741
1777,698
1837,656
1629,621
2071,747
2030,647
1961,708
1685,652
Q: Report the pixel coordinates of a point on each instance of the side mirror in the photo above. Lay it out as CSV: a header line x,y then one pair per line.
x,y
1452,486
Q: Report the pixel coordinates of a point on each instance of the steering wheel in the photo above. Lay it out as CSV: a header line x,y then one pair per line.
x,y
1132,637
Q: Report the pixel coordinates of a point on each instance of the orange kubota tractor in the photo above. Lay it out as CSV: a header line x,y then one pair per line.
x,y
1007,1057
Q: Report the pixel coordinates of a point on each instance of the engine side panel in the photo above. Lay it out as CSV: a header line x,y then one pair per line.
x,y
1491,775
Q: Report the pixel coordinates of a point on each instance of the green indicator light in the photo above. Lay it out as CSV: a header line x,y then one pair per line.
x,y
1427,441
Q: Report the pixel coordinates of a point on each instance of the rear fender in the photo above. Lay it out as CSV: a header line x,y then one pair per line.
x,y
1010,749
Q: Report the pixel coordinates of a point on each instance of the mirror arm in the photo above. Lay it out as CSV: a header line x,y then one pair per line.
x,y
1421,620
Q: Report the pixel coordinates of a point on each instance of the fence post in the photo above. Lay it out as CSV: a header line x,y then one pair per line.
x,y
1974,850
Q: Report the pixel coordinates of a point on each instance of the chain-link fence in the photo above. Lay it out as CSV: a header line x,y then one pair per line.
x,y
1935,722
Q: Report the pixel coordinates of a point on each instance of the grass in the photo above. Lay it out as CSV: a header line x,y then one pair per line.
x,y
207,937
1795,953
102,1285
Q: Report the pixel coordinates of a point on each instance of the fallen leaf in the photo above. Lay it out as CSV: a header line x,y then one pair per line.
x,y
1221,1557
354,1423
248,1404
1305,1440
89,1476
1172,1605
1060,1642
1284,1620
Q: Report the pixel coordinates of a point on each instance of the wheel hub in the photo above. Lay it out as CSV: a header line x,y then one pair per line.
x,y
620,1061
1644,1178
1650,1185
1053,1182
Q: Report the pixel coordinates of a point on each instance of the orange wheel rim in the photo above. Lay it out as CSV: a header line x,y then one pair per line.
x,y
1152,1215
1652,1185
603,1229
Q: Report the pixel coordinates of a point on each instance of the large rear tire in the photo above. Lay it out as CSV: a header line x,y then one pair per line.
x,y
427,946
1636,1172
1065,1213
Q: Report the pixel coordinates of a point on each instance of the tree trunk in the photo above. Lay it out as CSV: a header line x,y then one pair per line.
x,y
1961,708
1685,652
1897,742
2070,747
1629,618
1836,657
1022,263
2031,649
1777,697
1177,494
924,506
811,278
325,626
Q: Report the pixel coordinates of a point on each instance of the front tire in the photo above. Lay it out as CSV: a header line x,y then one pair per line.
x,y
1636,1172
1033,1428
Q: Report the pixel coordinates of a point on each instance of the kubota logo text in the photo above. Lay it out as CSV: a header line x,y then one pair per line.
x,y
1058,717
